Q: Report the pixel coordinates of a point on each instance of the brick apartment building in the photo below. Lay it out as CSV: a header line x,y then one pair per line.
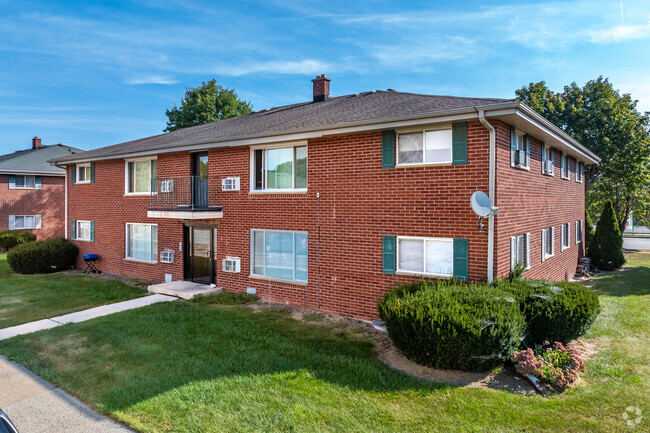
x,y
328,203
32,196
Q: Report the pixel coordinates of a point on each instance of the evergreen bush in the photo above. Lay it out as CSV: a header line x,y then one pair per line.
x,y
606,247
12,238
42,257
589,233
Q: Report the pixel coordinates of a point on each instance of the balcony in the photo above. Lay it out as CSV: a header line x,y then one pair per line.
x,y
186,198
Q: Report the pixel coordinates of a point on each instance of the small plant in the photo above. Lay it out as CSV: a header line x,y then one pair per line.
x,y
13,238
517,272
605,248
226,298
555,364
43,257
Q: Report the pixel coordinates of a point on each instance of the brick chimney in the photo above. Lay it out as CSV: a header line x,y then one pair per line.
x,y
321,88
36,143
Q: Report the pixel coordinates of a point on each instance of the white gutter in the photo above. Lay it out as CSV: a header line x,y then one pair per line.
x,y
491,194
65,218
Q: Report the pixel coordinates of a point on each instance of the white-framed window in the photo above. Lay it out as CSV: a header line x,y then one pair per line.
x,y
83,231
565,166
83,173
520,250
580,170
23,182
548,243
279,254
578,231
139,175
279,168
142,242
520,156
566,236
548,160
425,256
24,222
425,147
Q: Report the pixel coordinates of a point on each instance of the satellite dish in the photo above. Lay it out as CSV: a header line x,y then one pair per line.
x,y
481,204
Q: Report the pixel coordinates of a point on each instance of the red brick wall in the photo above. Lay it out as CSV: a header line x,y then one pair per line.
x,y
49,202
529,202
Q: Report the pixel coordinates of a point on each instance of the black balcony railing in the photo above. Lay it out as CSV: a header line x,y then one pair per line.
x,y
187,192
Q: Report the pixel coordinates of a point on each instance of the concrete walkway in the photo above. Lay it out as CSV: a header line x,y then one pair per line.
x,y
82,316
36,406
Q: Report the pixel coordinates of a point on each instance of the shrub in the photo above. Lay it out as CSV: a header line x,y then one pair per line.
x,y
42,257
606,245
556,365
12,238
453,325
589,233
559,311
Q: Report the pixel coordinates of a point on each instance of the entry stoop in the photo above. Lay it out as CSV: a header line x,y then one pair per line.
x,y
183,289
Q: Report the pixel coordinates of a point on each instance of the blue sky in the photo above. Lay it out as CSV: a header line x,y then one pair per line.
x,y
91,74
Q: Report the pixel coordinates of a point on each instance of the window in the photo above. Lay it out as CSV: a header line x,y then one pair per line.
x,y
139,175
565,163
566,236
19,222
548,243
548,161
520,153
580,167
83,231
425,147
142,242
427,256
520,251
578,232
24,182
281,168
83,173
279,254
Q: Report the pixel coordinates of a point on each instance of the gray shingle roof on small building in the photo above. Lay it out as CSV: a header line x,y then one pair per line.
x,y
35,161
307,116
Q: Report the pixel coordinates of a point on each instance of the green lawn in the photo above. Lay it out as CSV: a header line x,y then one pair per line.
x,y
25,298
191,367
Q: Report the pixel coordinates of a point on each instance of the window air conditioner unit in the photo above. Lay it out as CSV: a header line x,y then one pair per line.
x,y
231,264
167,256
166,186
549,166
230,184
521,158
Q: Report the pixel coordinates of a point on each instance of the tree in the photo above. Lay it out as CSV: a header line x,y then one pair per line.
x,y
609,125
589,232
606,246
206,104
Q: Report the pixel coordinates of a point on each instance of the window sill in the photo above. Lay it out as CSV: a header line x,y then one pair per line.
x,y
85,182
139,194
566,178
548,256
424,164
549,174
278,280
23,187
149,262
82,240
24,228
578,181
279,191
521,167
423,274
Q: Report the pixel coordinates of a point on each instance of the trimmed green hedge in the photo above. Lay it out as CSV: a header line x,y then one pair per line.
x,y
42,257
12,238
453,325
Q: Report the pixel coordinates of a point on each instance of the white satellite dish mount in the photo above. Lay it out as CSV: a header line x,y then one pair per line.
x,y
482,207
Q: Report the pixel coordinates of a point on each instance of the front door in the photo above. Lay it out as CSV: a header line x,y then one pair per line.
x,y
200,249
200,190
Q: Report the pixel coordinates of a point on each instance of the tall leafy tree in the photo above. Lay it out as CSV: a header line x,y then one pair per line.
x,y
609,124
208,103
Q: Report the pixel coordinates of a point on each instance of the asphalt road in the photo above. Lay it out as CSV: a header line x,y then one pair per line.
x,y
636,243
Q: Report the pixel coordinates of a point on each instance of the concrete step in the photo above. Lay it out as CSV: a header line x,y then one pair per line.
x,y
183,289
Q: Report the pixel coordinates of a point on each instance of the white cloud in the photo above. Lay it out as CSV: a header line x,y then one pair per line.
x,y
301,67
620,33
151,79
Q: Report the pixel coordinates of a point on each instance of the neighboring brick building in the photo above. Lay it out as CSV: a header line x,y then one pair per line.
x,y
32,191
376,186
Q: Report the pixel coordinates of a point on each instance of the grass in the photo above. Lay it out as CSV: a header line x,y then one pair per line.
x,y
225,298
193,367
25,298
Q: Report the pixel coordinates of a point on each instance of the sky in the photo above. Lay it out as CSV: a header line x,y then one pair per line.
x,y
92,74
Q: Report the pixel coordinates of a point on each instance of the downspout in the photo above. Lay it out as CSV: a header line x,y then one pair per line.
x,y
65,218
491,194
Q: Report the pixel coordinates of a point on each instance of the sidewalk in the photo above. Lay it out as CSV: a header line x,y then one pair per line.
x,y
81,316
36,406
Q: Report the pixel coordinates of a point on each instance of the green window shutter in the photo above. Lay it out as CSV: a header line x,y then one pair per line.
x,y
459,143
388,149
37,182
389,254
527,150
92,231
73,176
92,172
461,259
73,226
12,182
513,145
